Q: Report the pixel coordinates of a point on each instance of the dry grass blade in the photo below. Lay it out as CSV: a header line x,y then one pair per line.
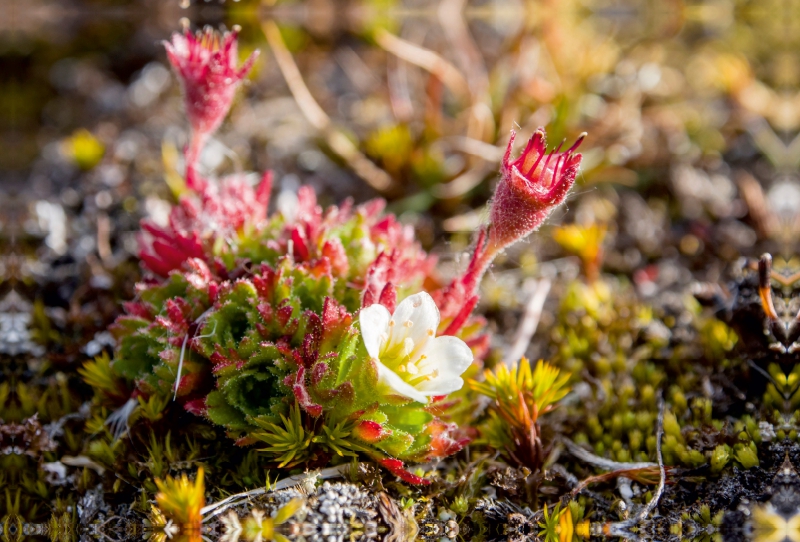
x,y
427,60
104,227
451,18
530,321
643,475
294,79
766,221
622,528
463,183
337,141
601,462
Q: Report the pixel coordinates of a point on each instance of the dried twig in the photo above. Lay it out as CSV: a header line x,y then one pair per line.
x,y
621,528
642,475
661,469
217,508
642,472
601,462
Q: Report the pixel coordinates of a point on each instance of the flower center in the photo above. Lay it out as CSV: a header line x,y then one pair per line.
x,y
401,354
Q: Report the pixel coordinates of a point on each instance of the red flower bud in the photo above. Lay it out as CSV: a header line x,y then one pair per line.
x,y
369,431
530,188
206,64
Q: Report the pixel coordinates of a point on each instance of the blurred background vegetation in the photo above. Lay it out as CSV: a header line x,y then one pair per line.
x,y
692,109
410,100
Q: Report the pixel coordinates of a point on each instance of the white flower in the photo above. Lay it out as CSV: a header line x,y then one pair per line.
x,y
411,360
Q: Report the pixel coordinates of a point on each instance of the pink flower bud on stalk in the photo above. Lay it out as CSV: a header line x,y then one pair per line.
x,y
530,188
206,64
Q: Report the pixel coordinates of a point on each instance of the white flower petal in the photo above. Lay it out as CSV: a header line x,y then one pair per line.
x,y
448,355
420,311
399,386
407,341
441,385
374,322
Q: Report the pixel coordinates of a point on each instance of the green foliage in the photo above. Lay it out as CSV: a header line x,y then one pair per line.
x,y
551,522
289,443
98,375
746,455
540,389
335,439
392,144
520,395
104,452
720,457
718,338
460,505
704,517
152,408
181,500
